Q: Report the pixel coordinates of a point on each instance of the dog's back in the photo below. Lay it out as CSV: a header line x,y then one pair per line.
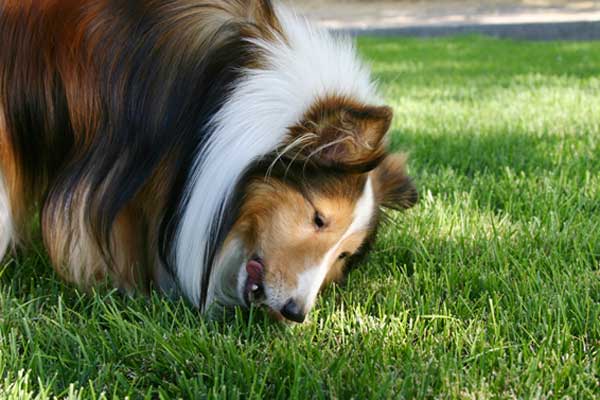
x,y
86,90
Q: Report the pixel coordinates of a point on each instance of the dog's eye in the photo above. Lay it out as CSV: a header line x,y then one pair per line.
x,y
319,221
344,255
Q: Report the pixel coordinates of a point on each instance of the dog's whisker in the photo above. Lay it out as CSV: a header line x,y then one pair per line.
x,y
298,141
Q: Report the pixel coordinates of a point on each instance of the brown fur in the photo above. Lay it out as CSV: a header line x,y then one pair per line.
x,y
69,40
393,187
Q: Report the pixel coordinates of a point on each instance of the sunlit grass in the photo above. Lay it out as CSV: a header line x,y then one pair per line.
x,y
490,287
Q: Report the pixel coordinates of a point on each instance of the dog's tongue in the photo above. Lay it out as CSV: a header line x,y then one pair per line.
x,y
255,271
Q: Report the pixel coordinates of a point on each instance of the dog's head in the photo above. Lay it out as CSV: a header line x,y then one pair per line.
x,y
308,216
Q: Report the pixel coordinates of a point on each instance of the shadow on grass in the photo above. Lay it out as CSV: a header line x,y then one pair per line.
x,y
471,154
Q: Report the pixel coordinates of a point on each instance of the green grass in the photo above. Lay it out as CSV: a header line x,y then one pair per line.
x,y
489,288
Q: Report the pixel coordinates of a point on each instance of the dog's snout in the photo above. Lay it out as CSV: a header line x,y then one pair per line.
x,y
292,311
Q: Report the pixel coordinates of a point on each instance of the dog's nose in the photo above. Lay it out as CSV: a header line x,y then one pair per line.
x,y
293,312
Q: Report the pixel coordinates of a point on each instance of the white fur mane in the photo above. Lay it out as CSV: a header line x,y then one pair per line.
x,y
305,65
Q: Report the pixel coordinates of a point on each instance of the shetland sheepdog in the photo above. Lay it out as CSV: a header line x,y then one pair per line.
x,y
226,151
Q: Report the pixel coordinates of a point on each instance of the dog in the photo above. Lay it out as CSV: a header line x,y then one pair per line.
x,y
225,151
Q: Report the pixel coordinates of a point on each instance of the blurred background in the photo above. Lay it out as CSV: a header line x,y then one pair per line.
x,y
527,19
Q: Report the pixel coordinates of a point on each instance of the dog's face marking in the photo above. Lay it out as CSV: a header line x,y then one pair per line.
x,y
349,234
303,238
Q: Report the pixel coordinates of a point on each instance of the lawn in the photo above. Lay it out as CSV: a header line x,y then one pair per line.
x,y
490,287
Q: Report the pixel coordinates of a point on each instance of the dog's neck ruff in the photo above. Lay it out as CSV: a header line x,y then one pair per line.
x,y
297,68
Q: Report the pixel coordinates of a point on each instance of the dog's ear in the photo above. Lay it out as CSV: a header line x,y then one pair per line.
x,y
393,188
345,137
